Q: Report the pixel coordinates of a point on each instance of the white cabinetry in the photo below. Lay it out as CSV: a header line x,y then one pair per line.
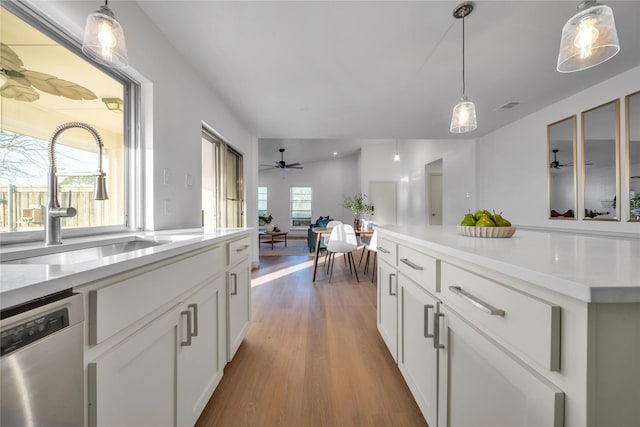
x,y
158,337
166,372
418,359
481,384
238,294
388,306
202,351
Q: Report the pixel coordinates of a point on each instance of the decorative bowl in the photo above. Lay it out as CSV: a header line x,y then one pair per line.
x,y
466,230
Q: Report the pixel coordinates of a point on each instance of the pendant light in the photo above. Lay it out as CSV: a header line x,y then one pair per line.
x,y
396,157
464,113
589,38
104,39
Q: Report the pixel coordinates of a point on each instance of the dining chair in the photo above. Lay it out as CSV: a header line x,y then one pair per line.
x,y
342,240
372,246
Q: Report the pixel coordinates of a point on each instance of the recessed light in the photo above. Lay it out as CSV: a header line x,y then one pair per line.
x,y
335,153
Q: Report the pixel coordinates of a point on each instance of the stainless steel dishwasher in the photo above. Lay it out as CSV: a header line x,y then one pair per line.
x,y
41,363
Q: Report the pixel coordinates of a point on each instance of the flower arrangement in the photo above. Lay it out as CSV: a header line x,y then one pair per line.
x,y
358,205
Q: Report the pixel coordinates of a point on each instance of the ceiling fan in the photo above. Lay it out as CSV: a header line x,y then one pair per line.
x,y
284,165
555,164
19,83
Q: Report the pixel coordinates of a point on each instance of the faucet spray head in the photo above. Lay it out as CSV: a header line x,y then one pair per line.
x,y
100,187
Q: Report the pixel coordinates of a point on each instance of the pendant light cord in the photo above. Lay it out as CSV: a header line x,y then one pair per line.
x,y
463,85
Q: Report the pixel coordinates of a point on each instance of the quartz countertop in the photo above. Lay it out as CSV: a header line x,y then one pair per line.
x,y
20,283
585,267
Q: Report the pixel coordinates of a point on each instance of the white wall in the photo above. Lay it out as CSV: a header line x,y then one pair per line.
x,y
458,171
330,180
512,161
176,101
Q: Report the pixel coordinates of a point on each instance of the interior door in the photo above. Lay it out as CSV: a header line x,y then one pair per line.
x,y
383,196
435,199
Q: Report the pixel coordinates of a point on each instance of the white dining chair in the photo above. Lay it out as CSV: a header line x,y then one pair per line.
x,y
342,240
372,246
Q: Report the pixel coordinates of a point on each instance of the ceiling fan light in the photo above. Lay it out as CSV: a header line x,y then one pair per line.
x,y
589,38
463,118
104,39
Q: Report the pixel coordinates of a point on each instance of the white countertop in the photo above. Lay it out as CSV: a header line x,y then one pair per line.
x,y
588,268
20,283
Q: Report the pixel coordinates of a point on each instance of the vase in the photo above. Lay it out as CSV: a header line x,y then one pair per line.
x,y
357,224
269,227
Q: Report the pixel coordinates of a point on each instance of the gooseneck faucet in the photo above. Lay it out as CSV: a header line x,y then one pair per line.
x,y
54,212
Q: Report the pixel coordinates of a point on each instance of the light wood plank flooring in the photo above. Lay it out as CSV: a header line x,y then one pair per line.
x,y
313,356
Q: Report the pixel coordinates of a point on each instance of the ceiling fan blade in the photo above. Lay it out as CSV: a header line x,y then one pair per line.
x,y
289,165
294,167
9,59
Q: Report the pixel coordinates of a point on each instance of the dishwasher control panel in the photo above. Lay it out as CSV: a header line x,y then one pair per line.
x,y
23,334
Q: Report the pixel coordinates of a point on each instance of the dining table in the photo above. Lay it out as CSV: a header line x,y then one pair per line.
x,y
323,231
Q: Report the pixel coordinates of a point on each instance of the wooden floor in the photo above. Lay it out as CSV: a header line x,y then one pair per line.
x,y
312,357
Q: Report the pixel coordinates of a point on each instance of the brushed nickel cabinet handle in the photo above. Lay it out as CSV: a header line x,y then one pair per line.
x,y
188,340
411,264
436,330
235,283
383,250
195,319
477,302
391,276
426,321
242,248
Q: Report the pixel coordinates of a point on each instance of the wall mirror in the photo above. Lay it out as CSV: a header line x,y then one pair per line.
x,y
561,137
632,108
601,162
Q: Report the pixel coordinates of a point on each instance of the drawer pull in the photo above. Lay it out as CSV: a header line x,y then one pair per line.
x,y
426,321
436,330
242,248
410,264
195,319
487,308
383,250
188,341
391,276
235,283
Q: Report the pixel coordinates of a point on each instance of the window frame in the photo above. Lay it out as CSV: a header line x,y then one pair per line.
x,y
134,214
299,227
263,212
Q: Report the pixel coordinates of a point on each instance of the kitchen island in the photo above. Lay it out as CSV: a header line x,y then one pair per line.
x,y
542,328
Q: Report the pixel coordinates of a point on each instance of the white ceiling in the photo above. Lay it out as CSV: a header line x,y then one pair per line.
x,y
344,71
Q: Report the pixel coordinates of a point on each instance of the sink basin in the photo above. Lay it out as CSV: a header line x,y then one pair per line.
x,y
67,256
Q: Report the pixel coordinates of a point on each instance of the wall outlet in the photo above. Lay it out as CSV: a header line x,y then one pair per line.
x,y
167,206
188,180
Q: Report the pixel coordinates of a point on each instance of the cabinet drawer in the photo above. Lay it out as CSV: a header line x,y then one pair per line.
x,y
116,306
387,251
518,320
422,268
238,250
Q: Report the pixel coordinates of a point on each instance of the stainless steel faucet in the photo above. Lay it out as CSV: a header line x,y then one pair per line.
x,y
54,211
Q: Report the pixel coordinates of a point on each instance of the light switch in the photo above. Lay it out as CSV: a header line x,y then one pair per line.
x,y
166,176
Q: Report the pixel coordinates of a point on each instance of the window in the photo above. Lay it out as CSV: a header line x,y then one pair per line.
x,y
222,183
262,203
300,207
48,82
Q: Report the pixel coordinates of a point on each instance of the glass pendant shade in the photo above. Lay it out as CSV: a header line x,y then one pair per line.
x,y
589,38
463,118
104,39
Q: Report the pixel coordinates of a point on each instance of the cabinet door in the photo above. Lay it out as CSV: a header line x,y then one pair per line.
x,y
201,360
238,306
483,385
418,359
134,384
388,307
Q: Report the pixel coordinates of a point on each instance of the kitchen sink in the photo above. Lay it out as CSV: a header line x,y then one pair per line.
x,y
69,255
